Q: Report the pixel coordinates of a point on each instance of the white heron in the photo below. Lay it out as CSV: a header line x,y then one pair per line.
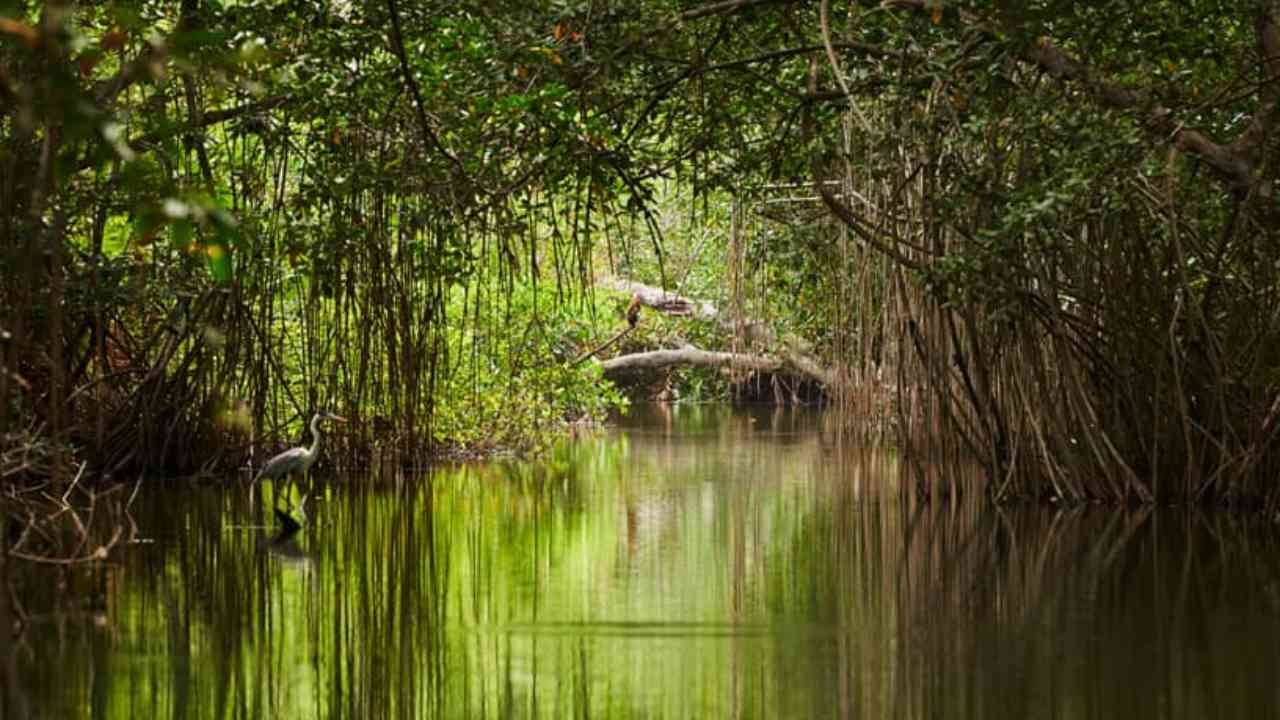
x,y
299,459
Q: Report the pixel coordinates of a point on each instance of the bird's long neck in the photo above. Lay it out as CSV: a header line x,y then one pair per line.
x,y
315,436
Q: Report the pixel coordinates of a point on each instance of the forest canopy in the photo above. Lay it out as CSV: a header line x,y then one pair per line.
x,y
1039,235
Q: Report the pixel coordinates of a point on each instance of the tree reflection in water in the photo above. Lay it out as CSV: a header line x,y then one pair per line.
x,y
701,564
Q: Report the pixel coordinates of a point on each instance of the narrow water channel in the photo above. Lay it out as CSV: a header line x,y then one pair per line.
x,y
693,563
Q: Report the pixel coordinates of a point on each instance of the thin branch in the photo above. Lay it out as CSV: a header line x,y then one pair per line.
x,y
429,135
101,553
849,218
73,484
206,120
601,348
727,7
663,89
106,91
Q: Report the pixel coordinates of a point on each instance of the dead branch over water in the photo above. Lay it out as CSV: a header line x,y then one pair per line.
x,y
744,331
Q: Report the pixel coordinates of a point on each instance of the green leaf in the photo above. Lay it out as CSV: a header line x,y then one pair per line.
x,y
219,254
182,232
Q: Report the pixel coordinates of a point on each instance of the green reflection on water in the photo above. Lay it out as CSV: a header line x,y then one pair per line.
x,y
696,563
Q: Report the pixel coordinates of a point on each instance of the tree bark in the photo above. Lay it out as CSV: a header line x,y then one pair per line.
x,y
785,357
689,355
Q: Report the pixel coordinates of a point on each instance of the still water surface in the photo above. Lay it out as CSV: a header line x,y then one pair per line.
x,y
694,563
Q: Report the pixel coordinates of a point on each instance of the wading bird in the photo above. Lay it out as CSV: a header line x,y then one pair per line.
x,y
299,459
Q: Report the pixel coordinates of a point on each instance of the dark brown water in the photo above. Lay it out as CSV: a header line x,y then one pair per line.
x,y
701,563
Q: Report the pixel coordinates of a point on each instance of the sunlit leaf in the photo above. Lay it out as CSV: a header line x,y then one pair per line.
x,y
219,262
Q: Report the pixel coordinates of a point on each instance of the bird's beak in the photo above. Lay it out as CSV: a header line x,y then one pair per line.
x,y
339,418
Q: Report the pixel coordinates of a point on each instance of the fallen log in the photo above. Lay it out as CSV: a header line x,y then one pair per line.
x,y
753,332
689,355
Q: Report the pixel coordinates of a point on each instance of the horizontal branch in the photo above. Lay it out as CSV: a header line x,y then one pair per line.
x,y
207,120
146,63
854,223
726,7
697,357
689,355
876,51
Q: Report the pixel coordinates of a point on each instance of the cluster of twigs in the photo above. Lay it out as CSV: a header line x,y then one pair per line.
x,y
26,452
78,525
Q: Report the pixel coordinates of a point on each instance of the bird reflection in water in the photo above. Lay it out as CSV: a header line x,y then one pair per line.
x,y
283,546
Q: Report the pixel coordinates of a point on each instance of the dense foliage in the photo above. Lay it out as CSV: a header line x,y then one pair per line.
x,y
1044,228
219,216
1056,224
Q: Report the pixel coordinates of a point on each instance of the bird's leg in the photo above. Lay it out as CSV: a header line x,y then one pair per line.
x,y
302,505
283,490
275,493
307,487
287,490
